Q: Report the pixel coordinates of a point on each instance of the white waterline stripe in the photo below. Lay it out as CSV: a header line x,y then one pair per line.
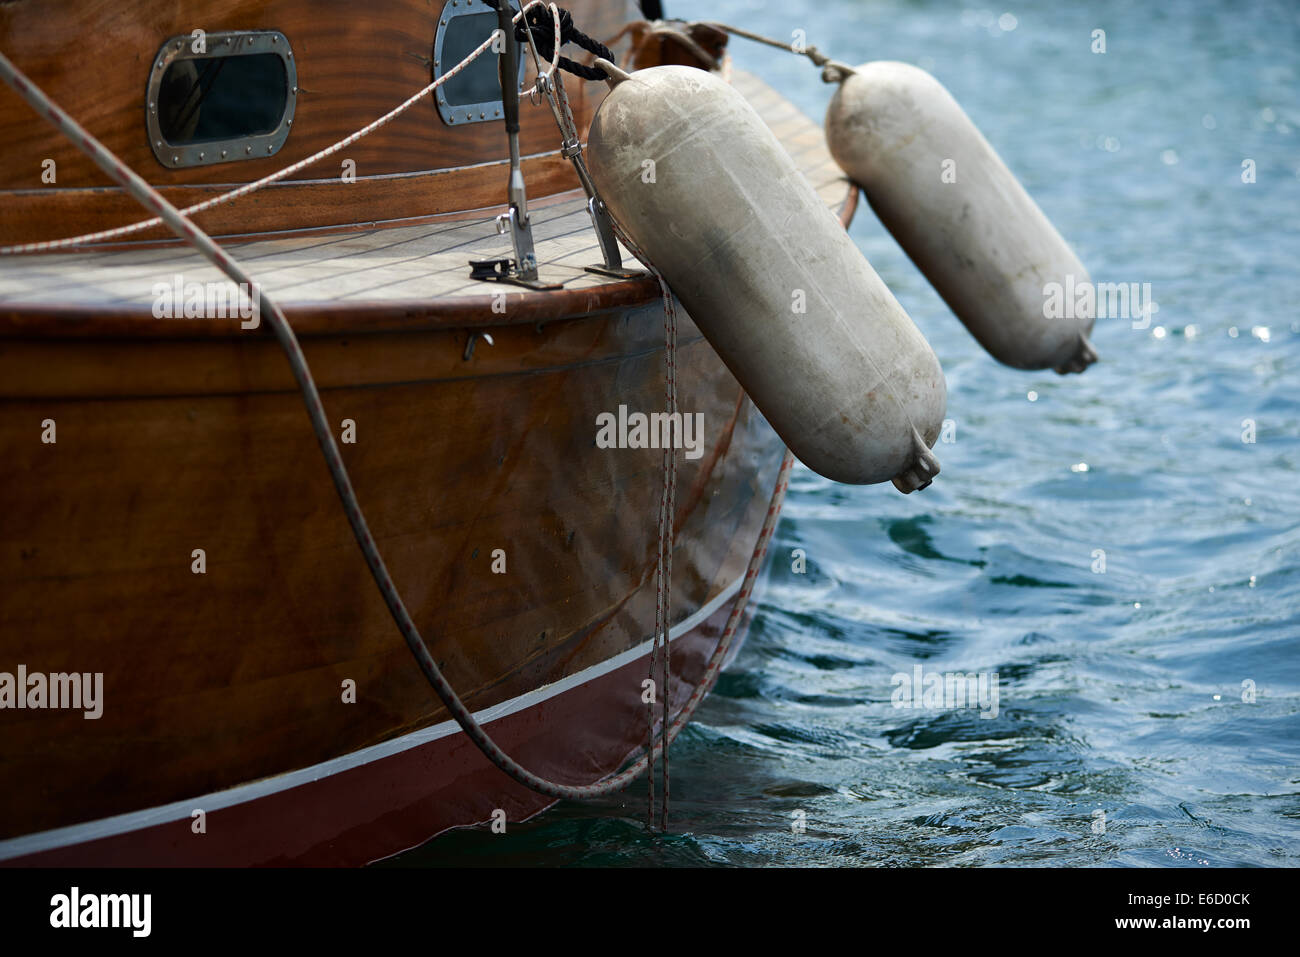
x,y
217,800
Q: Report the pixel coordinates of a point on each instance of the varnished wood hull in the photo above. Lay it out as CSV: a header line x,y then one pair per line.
x,y
213,680
233,679
525,553
394,796
353,67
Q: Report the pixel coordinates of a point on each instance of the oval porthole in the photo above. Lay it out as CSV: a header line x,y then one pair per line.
x,y
221,97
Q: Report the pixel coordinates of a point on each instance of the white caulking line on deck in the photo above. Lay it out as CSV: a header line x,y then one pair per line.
x,y
179,810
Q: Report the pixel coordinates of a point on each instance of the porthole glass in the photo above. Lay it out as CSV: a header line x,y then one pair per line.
x,y
474,94
221,97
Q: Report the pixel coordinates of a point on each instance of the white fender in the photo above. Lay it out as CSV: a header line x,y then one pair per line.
x,y
703,187
960,214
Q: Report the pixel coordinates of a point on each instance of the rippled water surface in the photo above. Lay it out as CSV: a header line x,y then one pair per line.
x,y
1121,691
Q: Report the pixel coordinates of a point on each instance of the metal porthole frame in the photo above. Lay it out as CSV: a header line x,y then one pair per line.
x,y
463,113
223,43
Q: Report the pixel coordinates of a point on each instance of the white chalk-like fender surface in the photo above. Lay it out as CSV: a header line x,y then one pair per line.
x,y
960,214
699,183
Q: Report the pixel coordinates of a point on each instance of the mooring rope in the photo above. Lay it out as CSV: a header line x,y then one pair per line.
x,y
660,643
664,563
288,341
668,536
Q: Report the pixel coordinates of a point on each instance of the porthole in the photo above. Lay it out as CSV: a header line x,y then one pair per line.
x,y
221,97
474,94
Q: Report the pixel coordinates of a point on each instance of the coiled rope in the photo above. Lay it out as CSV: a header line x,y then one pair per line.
x,y
542,24
288,341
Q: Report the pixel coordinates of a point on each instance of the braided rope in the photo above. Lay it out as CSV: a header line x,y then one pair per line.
x,y
660,616
668,537
288,341
832,70
565,32
649,705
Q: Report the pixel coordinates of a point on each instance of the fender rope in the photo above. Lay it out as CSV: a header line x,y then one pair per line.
x,y
832,70
288,341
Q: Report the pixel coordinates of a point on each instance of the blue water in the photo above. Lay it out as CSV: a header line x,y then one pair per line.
x,y
1121,691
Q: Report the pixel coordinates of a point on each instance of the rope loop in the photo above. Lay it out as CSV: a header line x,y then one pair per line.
x,y
542,24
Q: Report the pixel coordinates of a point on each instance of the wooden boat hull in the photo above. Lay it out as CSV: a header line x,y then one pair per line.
x,y
396,795
236,674
181,535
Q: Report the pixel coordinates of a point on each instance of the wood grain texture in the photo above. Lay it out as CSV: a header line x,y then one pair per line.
x,y
352,68
215,679
362,281
172,442
288,207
